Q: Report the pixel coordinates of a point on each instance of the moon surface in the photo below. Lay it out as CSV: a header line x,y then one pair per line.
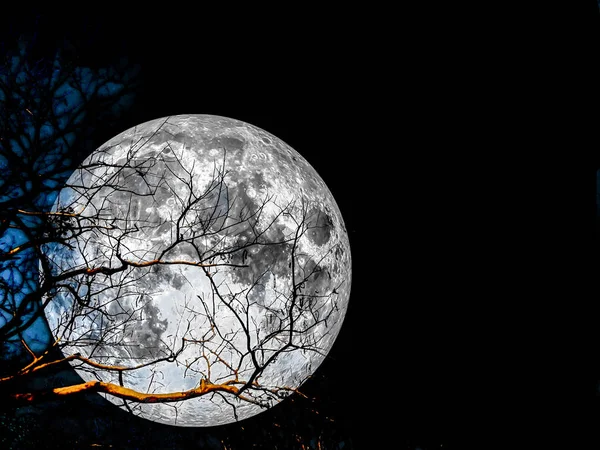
x,y
199,249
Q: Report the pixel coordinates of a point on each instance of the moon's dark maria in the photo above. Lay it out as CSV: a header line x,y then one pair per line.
x,y
185,189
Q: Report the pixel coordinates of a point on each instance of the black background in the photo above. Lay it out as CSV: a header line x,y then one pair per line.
x,y
374,104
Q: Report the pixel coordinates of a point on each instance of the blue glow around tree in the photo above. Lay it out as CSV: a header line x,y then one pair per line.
x,y
48,111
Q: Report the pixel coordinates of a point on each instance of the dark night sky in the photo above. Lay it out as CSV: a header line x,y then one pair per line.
x,y
363,106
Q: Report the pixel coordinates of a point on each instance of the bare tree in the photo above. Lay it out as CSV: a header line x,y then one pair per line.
x,y
97,258
48,110
81,257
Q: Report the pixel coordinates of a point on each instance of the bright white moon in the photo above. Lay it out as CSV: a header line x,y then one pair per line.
x,y
201,250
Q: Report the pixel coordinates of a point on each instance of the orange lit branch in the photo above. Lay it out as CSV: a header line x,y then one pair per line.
x,y
126,263
178,262
132,395
47,213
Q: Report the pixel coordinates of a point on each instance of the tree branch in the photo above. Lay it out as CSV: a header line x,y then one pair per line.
x,y
130,394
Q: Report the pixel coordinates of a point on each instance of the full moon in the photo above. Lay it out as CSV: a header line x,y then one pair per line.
x,y
204,270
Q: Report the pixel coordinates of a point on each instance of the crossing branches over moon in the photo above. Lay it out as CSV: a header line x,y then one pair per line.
x,y
201,274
